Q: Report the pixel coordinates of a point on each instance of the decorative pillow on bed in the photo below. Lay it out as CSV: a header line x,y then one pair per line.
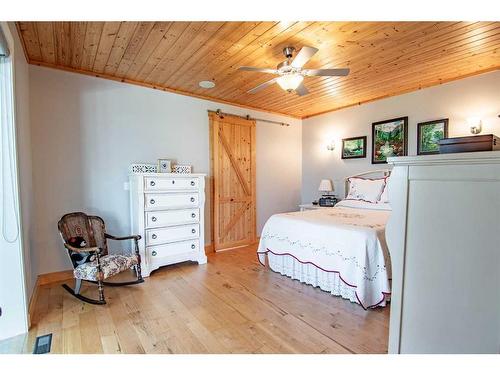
x,y
384,197
365,189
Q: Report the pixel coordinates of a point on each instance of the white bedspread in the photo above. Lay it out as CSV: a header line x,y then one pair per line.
x,y
347,241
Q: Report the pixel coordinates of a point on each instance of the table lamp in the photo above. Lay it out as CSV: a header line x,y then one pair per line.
x,y
326,187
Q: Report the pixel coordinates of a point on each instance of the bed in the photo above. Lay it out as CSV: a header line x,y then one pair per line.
x,y
342,250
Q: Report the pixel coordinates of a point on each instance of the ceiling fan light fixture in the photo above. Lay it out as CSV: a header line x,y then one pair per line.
x,y
291,72
290,82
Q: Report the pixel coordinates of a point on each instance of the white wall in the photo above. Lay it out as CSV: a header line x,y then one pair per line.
x,y
475,96
86,131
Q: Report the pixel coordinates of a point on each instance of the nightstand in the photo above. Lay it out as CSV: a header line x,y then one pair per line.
x,y
310,206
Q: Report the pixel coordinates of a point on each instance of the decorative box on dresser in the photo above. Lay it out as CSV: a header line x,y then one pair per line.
x,y
444,240
167,210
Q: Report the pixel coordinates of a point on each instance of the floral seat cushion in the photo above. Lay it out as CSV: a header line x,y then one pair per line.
x,y
110,264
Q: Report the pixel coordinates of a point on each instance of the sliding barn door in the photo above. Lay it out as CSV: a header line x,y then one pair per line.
x,y
233,173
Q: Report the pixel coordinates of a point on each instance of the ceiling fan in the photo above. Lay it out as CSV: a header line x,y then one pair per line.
x,y
290,72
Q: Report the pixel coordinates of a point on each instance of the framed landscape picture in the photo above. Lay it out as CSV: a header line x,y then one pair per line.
x,y
389,138
428,135
354,148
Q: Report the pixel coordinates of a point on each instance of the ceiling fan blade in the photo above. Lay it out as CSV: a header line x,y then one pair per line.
x,y
303,56
262,86
255,69
301,90
327,72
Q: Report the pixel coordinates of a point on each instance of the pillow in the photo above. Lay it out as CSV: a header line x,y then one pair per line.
x,y
363,189
384,197
364,205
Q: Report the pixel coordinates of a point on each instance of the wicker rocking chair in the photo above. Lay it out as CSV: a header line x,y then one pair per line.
x,y
93,263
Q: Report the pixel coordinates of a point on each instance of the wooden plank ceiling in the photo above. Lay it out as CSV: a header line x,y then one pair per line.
x,y
385,58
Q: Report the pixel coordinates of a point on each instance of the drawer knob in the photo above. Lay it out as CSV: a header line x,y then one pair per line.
x,y
153,219
152,201
154,236
152,183
192,199
154,253
192,183
193,246
193,215
193,230
173,181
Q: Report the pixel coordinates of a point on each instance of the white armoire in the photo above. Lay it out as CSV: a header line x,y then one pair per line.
x,y
444,240
167,210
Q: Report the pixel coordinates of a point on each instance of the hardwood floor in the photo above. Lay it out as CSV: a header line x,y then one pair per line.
x,y
230,305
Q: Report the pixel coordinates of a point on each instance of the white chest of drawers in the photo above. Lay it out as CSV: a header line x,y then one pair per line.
x,y
167,210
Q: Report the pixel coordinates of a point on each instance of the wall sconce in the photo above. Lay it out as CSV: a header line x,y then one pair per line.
x,y
475,125
331,146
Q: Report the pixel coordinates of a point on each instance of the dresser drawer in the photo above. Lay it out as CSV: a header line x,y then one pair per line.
x,y
174,217
171,183
168,201
172,234
158,252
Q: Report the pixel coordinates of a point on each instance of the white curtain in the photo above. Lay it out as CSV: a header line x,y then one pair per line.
x,y
13,298
8,199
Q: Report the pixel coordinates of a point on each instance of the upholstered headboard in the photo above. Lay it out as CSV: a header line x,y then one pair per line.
x,y
379,173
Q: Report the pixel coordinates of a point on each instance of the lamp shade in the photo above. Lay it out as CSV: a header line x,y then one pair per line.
x,y
325,185
290,82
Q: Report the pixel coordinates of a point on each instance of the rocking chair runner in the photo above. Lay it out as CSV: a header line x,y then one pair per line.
x,y
93,263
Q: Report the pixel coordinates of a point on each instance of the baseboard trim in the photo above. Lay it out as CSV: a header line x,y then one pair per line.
x,y
32,304
53,277
257,240
47,278
209,248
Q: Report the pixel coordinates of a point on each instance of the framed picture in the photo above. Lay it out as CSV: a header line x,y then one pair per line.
x,y
389,138
164,166
428,135
354,148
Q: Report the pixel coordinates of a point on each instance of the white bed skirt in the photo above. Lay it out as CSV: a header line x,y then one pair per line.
x,y
312,275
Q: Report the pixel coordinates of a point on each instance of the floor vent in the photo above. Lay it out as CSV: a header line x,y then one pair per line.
x,y
42,344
